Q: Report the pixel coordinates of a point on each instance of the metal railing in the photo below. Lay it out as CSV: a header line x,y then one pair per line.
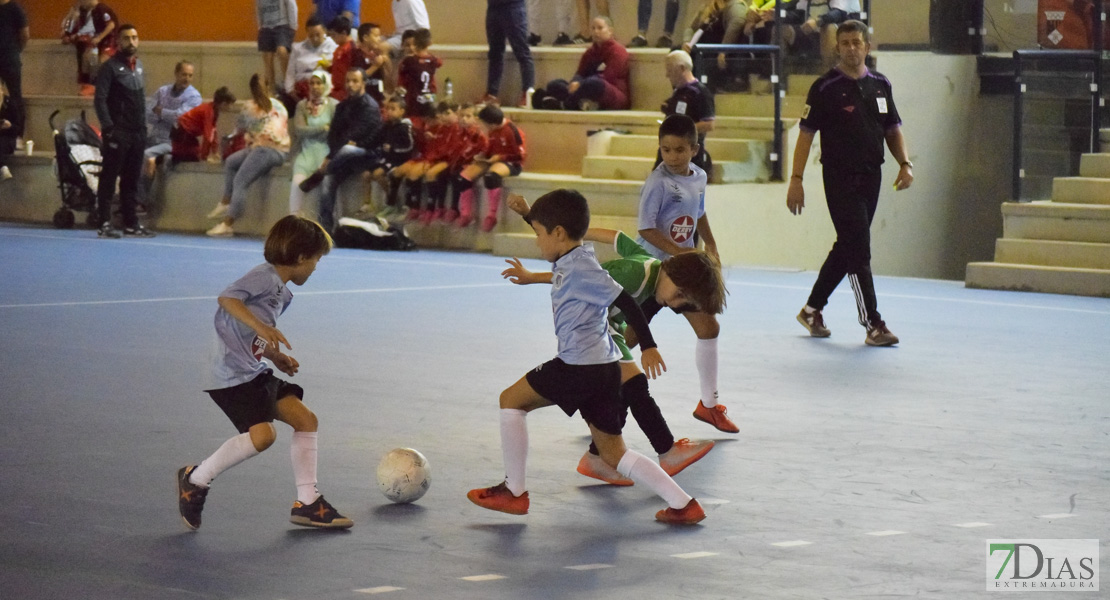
x,y
698,52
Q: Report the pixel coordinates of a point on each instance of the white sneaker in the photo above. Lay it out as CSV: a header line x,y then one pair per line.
x,y
221,230
5,173
220,211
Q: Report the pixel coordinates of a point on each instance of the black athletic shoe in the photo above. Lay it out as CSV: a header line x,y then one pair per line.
x,y
190,498
534,39
107,231
312,182
562,40
318,514
138,231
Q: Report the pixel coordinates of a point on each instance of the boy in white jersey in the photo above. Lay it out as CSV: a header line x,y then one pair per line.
x,y
690,281
245,388
672,218
585,376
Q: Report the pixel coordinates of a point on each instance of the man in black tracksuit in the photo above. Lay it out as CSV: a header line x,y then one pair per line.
x,y
353,138
853,108
121,108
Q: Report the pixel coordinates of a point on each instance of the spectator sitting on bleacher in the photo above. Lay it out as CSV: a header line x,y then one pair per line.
x,y
339,29
601,81
277,25
267,146
201,123
11,123
352,144
408,15
503,157
690,98
761,19
719,22
823,26
90,26
163,108
397,145
314,52
368,57
417,76
311,123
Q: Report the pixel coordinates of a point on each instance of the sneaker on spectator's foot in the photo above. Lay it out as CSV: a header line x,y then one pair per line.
x,y
879,335
427,216
500,498
220,211
489,99
581,39
814,323
524,98
5,173
716,416
684,453
588,105
687,515
664,41
138,231
414,214
489,223
312,182
449,215
318,514
638,42
221,230
534,39
190,498
140,208
562,40
551,103
591,465
107,231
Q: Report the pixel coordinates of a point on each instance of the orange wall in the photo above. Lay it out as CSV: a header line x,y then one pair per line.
x,y
184,20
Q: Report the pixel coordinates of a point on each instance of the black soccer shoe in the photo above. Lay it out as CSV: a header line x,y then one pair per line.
x,y
190,498
318,514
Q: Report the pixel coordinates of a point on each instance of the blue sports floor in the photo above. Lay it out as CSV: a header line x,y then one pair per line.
x,y
858,473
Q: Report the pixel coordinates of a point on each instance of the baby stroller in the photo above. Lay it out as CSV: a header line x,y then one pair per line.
x,y
77,165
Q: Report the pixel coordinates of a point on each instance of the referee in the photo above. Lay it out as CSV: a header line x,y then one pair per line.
x,y
853,108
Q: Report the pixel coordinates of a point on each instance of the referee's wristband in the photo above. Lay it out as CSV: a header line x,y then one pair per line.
x,y
906,163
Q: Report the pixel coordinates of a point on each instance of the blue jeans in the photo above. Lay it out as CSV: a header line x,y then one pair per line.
x,y
349,160
244,168
670,16
508,23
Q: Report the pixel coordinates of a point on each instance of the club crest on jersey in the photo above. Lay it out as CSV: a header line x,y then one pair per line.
x,y
682,229
258,347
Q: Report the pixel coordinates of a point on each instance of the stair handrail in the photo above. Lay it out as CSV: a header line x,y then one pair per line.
x,y
777,86
1018,173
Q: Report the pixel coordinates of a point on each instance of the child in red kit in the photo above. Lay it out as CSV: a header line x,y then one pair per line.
x,y
471,143
417,76
503,157
200,122
341,60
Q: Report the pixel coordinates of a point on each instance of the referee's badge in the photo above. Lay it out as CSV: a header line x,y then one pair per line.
x,y
882,105
805,111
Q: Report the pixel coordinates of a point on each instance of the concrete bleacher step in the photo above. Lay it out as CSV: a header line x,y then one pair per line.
x,y
719,148
1050,220
1038,278
758,105
637,168
1081,190
1053,253
523,245
1095,165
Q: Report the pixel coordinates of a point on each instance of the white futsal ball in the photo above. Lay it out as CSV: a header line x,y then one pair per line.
x,y
404,475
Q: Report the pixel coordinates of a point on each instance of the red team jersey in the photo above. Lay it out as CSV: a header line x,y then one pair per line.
x,y
472,142
506,141
341,62
417,75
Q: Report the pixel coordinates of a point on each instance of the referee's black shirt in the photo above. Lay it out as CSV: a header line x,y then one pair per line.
x,y
694,100
853,116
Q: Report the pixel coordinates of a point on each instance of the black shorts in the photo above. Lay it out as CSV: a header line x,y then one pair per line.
x,y
255,401
594,391
270,38
515,168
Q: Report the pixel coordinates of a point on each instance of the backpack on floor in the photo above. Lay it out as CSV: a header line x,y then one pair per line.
x,y
371,235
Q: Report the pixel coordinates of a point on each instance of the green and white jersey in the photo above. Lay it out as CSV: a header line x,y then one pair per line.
x,y
637,271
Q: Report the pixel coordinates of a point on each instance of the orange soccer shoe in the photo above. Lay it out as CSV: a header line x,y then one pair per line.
x,y
591,465
687,515
682,454
500,498
716,416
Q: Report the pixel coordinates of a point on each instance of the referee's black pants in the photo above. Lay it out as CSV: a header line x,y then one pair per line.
x,y
122,158
852,198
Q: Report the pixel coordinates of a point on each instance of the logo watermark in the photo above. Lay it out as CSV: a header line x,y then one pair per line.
x,y
1042,565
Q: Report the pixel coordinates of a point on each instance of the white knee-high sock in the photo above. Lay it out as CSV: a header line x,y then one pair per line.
x,y
231,453
643,470
514,448
303,452
705,359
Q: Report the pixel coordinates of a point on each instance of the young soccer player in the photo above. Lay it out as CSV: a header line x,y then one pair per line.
x,y
504,157
689,281
471,144
368,57
432,145
417,75
441,145
245,388
585,376
672,216
397,148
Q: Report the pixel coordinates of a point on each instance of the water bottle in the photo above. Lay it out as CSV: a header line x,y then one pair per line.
x,y
449,88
